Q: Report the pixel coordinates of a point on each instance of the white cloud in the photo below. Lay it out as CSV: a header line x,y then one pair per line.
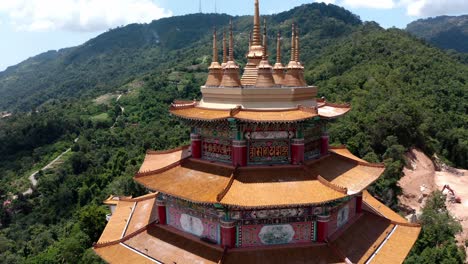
x,y
79,15
425,8
376,4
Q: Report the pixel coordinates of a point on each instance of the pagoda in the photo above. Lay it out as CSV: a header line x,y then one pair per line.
x,y
259,182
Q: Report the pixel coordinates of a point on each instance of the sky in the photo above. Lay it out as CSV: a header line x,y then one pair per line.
x,y
30,27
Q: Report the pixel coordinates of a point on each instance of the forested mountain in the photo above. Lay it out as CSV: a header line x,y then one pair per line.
x,y
111,59
445,32
403,93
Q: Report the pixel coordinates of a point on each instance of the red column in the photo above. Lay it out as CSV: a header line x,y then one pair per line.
x,y
297,151
239,153
324,145
161,211
228,234
359,203
322,227
196,146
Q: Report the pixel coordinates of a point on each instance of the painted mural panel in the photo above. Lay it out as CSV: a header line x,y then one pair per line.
x,y
276,216
269,134
201,227
268,151
312,135
217,149
215,132
312,149
341,215
191,224
263,235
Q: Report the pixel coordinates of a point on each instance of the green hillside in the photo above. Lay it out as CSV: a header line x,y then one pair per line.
x,y
111,59
403,93
445,32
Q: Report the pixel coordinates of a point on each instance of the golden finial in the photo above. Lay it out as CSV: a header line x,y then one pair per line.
x,y
256,41
250,39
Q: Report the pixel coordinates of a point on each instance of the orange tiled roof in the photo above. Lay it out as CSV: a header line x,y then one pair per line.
x,y
117,222
360,240
343,151
292,115
168,247
193,112
330,178
311,254
118,253
198,113
375,239
346,172
329,111
114,200
268,187
380,209
156,160
129,216
398,245
191,180
370,238
204,182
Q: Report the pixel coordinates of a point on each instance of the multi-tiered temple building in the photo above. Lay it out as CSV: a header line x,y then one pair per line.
x,y
259,182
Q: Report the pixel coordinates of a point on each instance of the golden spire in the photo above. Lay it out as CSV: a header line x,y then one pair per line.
x,y
278,69
278,48
215,47
215,73
256,30
265,49
297,46
250,40
224,49
231,70
255,54
231,42
265,76
293,43
295,74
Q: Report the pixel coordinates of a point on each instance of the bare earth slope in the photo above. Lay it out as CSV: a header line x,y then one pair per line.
x,y
423,178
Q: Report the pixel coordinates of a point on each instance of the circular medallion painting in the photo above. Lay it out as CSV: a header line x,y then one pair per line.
x,y
276,234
